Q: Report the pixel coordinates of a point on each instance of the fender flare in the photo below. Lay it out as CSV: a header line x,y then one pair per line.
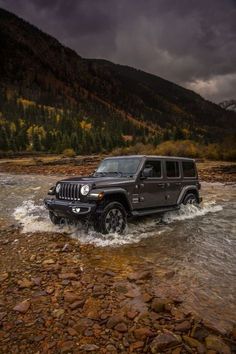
x,y
184,191
109,192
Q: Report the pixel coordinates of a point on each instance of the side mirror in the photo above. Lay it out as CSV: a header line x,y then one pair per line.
x,y
147,172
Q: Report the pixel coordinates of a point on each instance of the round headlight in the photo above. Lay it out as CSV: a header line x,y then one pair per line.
x,y
85,189
58,187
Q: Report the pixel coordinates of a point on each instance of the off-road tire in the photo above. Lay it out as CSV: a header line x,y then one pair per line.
x,y
112,218
54,219
190,198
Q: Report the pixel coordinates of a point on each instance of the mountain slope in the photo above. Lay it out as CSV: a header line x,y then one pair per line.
x,y
51,98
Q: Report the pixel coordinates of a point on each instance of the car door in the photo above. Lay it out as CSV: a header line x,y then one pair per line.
x,y
152,189
173,181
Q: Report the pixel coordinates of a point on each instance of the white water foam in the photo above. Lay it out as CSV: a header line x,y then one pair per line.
x,y
34,218
191,211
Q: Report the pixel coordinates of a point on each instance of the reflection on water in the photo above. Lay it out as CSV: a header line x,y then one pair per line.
x,y
195,245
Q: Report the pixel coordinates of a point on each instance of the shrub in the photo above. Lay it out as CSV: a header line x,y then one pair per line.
x,y
69,153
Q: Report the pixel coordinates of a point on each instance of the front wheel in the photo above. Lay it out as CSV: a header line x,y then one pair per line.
x,y
190,199
113,219
55,219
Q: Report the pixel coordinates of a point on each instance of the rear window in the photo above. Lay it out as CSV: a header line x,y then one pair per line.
x,y
172,169
189,169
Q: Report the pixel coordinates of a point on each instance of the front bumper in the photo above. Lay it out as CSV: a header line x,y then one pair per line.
x,y
69,209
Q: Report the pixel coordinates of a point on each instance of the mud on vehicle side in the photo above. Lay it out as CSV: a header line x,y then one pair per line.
x,y
122,187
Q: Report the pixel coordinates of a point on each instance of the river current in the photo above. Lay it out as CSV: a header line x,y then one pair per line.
x,y
193,250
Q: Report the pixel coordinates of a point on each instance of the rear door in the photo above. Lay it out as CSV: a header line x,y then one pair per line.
x,y
173,181
152,189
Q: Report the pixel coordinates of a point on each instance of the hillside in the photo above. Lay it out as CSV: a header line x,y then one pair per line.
x,y
52,99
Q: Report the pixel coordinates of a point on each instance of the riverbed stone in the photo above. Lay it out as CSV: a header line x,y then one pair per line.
x,y
158,305
121,327
164,341
142,333
114,320
22,307
216,343
183,326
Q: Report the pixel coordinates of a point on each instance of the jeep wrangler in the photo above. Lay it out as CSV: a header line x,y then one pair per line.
x,y
123,187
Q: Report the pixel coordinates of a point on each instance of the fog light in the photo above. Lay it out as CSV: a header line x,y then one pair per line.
x,y
76,210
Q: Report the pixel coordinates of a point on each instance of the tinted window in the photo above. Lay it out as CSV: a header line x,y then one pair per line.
x,y
189,169
172,169
156,168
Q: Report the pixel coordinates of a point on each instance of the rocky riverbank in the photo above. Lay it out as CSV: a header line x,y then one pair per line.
x,y
209,171
58,296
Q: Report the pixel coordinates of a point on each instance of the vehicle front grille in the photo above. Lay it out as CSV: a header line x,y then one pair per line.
x,y
69,191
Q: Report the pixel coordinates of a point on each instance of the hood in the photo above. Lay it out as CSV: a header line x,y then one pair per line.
x,y
99,182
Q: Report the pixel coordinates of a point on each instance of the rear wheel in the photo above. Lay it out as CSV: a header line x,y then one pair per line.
x,y
113,219
190,199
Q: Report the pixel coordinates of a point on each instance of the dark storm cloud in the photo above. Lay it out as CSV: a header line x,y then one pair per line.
x,y
189,42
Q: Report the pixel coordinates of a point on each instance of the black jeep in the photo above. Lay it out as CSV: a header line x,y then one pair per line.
x,y
122,187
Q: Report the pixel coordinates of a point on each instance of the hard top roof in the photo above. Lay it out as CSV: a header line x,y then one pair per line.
x,y
151,157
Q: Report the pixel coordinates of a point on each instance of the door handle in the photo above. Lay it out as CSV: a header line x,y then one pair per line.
x,y
178,183
161,185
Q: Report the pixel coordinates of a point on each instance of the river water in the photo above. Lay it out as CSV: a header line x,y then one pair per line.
x,y
193,250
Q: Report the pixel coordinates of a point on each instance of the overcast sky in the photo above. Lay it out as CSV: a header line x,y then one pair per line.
x,y
190,42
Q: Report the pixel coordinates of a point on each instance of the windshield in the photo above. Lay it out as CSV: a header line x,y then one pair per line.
x,y
118,166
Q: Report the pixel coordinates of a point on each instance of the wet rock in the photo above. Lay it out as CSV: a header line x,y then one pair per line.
x,y
71,297
199,332
233,333
77,304
214,327
142,333
22,307
110,273
50,290
89,347
217,344
99,290
121,327
136,345
164,341
143,275
3,277
111,349
183,326
158,305
25,283
192,342
176,350
36,281
68,276
48,262
131,314
114,320
67,347
57,313
72,332
2,315
146,297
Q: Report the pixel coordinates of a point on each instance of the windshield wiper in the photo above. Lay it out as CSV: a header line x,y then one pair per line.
x,y
108,173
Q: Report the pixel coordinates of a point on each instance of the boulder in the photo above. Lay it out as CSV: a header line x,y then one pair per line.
x,y
164,341
217,344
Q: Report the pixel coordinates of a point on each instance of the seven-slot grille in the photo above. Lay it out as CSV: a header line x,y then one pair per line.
x,y
69,191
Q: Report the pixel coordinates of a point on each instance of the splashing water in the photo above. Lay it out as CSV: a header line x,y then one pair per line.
x,y
34,218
